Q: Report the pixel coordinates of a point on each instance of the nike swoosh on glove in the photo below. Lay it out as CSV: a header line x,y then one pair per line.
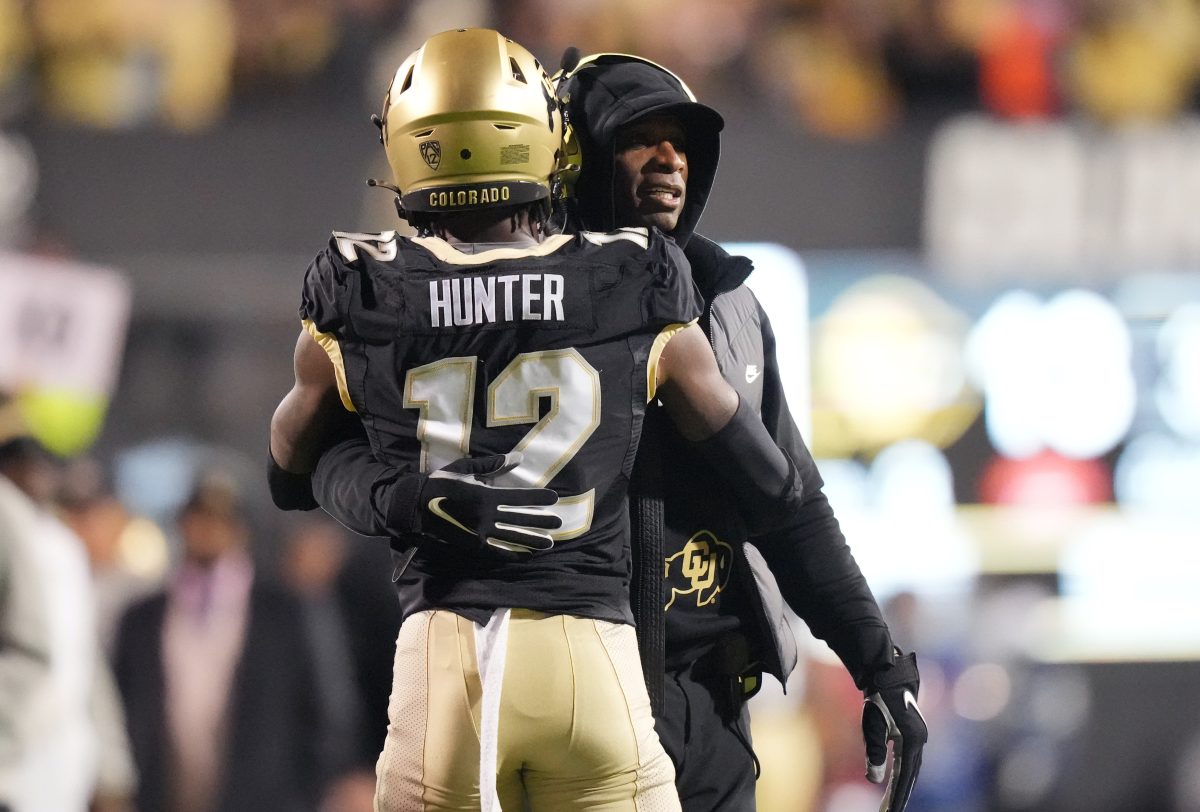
x,y
459,505
890,714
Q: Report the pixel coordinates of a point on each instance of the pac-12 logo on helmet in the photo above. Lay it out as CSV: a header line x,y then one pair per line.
x,y
431,151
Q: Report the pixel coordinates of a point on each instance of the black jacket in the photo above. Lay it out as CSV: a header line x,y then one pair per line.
x,y
808,563
602,97
272,759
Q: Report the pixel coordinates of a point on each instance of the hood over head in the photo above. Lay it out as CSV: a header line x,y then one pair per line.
x,y
606,92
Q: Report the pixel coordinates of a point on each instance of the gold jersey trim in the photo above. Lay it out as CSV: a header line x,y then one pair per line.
x,y
448,253
656,351
330,344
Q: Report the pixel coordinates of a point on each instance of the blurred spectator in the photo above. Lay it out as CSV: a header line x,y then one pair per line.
x,y
15,52
313,555
829,70
280,41
218,678
1132,61
124,63
930,59
368,603
61,739
93,511
1017,59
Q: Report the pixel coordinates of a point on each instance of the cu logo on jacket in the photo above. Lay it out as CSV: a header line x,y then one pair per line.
x,y
701,568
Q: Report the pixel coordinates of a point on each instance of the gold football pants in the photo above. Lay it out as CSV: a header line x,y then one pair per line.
x,y
574,725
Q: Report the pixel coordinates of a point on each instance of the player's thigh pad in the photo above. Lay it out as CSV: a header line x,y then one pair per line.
x,y
575,720
430,759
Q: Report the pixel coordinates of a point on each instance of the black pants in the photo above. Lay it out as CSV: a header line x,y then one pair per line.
x,y
708,739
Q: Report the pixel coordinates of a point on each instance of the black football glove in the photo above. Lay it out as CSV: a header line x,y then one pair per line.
x,y
458,506
890,714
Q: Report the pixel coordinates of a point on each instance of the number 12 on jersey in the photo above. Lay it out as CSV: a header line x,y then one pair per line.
x,y
444,393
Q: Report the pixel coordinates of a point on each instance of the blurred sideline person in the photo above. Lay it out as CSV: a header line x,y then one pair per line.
x,y
538,353
649,158
92,509
217,674
62,742
313,557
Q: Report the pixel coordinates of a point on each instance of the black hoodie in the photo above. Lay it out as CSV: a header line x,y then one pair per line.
x,y
809,564
607,94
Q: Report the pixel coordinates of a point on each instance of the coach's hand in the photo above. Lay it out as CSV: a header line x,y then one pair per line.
x,y
890,714
459,505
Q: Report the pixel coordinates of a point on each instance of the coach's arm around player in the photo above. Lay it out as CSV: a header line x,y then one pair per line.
x,y
311,417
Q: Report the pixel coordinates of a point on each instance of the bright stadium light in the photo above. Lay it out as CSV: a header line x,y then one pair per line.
x,y
888,366
1056,375
1158,473
1177,392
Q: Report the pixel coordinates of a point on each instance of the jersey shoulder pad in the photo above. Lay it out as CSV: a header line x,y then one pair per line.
x,y
324,291
675,296
333,277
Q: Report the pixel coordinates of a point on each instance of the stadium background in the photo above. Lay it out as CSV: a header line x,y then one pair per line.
x,y
993,204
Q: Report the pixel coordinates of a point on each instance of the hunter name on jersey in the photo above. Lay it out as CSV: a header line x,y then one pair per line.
x,y
462,301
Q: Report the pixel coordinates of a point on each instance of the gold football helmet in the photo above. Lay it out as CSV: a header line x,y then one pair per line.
x,y
471,121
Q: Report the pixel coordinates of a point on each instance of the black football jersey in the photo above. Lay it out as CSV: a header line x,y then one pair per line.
x,y
548,350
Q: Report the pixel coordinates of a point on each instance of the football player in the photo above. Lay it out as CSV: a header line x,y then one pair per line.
x,y
487,352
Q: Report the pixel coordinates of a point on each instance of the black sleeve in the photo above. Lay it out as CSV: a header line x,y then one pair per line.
x,y
367,496
674,297
326,292
809,557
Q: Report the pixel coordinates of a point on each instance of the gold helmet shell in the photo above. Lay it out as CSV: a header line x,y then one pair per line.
x,y
471,121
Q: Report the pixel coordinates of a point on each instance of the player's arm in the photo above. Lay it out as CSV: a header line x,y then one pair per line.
x,y
727,432
302,422
456,504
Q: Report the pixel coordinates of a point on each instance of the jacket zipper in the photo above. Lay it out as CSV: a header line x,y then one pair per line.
x,y
712,306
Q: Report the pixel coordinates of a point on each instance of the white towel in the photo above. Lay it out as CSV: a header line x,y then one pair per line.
x,y
491,644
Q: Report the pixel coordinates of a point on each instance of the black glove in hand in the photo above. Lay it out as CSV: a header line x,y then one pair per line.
x,y
890,714
459,506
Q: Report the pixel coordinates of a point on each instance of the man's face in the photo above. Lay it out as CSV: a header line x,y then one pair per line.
x,y
208,535
650,177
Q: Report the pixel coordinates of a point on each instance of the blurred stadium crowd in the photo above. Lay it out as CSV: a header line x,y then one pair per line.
x,y
1004,401
842,68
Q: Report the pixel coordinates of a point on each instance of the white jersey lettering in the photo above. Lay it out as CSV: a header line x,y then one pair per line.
x,y
463,302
